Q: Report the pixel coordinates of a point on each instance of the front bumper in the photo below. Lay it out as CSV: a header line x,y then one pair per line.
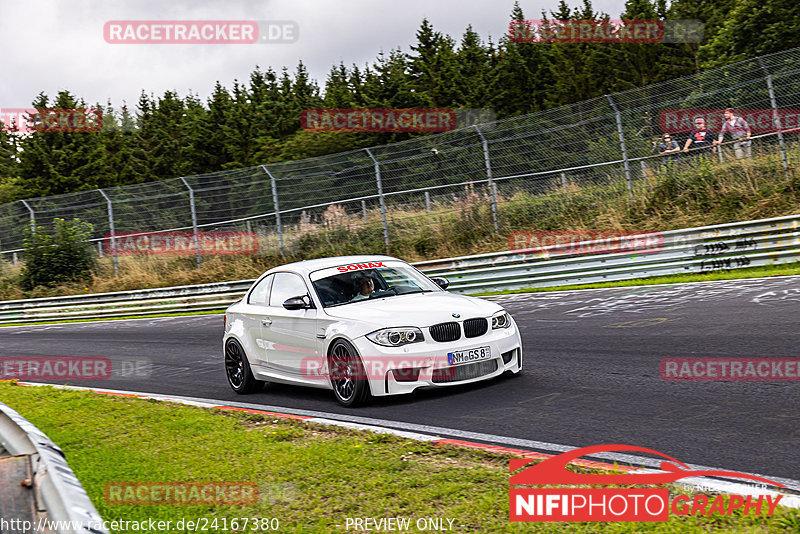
x,y
398,370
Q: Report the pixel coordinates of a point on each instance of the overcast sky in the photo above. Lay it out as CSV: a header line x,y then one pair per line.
x,y
50,45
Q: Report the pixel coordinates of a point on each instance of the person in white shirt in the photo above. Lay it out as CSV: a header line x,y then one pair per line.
x,y
365,287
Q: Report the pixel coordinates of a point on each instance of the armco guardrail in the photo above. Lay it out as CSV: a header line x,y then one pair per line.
x,y
202,297
38,488
691,250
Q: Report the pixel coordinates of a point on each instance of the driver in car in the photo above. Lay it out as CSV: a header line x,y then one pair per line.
x,y
365,287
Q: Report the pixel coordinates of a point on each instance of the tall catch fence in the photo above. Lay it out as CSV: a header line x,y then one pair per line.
x,y
601,150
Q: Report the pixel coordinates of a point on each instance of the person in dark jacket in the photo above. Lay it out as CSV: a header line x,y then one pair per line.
x,y
669,148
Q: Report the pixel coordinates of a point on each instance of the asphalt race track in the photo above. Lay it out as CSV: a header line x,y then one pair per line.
x,y
591,371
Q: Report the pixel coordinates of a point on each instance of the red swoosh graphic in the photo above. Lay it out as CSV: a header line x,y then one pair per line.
x,y
554,471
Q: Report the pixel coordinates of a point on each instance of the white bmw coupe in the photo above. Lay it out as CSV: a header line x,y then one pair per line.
x,y
364,326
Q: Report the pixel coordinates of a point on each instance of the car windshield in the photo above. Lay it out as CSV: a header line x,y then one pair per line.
x,y
365,282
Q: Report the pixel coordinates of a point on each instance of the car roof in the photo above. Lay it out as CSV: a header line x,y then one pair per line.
x,y
309,266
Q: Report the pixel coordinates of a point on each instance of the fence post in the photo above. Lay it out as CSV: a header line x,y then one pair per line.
x,y
621,134
33,217
775,117
492,189
277,208
111,231
364,210
194,220
428,202
14,259
100,249
644,169
380,196
564,181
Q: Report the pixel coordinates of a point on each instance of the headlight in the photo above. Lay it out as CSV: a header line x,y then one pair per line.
x,y
501,320
396,337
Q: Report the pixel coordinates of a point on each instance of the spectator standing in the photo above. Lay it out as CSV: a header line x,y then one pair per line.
x,y
670,149
739,130
701,139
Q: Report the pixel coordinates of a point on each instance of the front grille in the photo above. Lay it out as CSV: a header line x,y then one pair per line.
x,y
475,327
458,373
445,332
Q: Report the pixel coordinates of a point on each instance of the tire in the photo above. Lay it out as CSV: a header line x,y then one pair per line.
x,y
237,369
349,381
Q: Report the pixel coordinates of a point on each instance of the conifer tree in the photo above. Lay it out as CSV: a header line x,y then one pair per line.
x,y
753,28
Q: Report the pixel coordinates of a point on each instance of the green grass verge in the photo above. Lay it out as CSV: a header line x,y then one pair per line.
x,y
787,269
312,477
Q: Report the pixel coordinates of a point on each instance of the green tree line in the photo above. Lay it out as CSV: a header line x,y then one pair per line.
x,y
258,121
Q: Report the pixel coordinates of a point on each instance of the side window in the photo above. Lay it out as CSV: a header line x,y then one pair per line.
x,y
286,285
260,294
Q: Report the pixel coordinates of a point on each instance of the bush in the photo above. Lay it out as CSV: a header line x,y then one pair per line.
x,y
64,256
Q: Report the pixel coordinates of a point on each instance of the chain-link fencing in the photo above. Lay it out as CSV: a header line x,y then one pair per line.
x,y
471,186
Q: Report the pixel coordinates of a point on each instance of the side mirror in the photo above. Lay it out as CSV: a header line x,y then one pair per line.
x,y
297,303
441,282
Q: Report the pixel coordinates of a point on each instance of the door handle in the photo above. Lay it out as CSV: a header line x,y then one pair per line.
x,y
266,322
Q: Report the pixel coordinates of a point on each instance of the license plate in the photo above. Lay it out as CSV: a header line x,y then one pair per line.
x,y
469,355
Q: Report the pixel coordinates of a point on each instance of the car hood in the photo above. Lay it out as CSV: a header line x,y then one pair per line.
x,y
419,309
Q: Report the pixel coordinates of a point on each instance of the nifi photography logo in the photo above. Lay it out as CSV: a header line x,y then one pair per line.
x,y
586,502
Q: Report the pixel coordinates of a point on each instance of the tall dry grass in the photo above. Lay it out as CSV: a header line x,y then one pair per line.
x,y
461,224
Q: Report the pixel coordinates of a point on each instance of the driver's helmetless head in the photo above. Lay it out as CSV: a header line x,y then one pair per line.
x,y
366,285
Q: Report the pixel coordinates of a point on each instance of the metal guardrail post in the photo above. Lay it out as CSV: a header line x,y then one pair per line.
x,y
621,134
277,208
33,216
380,196
775,117
111,230
492,188
194,220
